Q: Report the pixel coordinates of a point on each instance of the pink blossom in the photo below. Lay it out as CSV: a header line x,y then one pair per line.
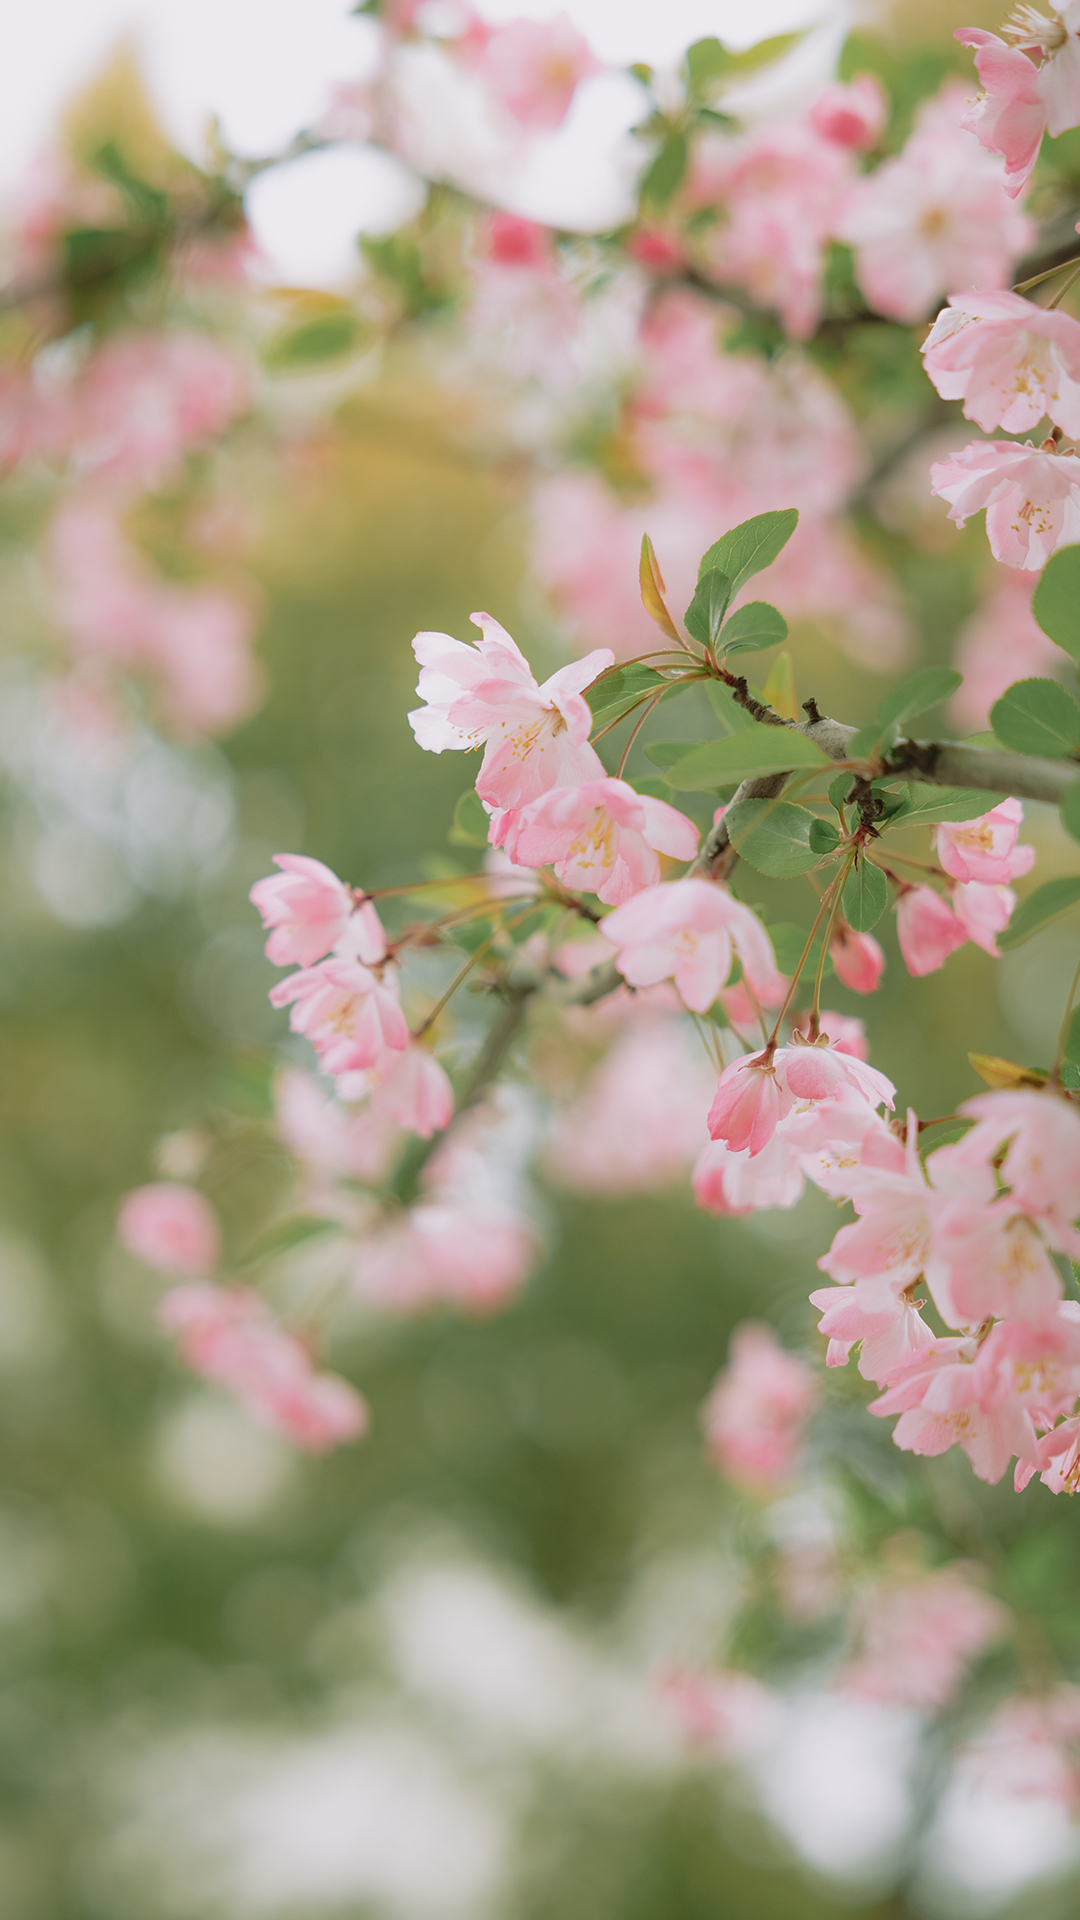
x,y
1009,116
1058,1463
999,644
601,837
934,217
690,930
1028,1747
172,1228
985,849
229,1336
146,399
722,1709
1031,495
328,1138
852,115
755,1416
1038,1365
725,1182
470,1257
308,908
414,1090
927,929
513,242
878,1316
991,1260
1011,362
1041,1134
351,1015
756,1093
858,959
984,911
918,1637
937,1398
537,737
836,1138
638,1122
533,68
844,1031
1055,43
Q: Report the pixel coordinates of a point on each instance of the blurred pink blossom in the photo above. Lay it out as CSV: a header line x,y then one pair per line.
x,y
640,1119
533,67
918,1638
1002,642
172,1227
722,1709
853,115
436,1254
756,1414
1030,1748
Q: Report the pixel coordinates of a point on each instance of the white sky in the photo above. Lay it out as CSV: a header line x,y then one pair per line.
x,y
266,67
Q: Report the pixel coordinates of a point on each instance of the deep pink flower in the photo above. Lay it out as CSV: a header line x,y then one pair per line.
x,y
351,1015
858,959
308,908
755,1416
1009,117
853,115
513,242
690,930
601,837
172,1228
533,67
1009,361
536,737
1031,495
228,1335
985,849
927,929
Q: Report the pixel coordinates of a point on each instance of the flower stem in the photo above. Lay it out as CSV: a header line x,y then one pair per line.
x,y
626,750
829,898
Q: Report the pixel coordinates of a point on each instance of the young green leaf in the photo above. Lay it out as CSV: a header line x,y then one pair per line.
x,y
1056,603
824,837
746,756
310,344
1046,904
471,823
708,607
1037,716
865,896
285,1235
773,835
651,581
750,547
753,627
916,694
708,62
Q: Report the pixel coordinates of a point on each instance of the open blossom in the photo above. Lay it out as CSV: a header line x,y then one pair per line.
x,y
471,1257
918,1637
756,1414
985,849
984,911
754,1094
729,1182
853,115
308,907
991,1259
1038,1365
171,1227
938,1399
690,930
1031,496
414,1089
229,1336
601,837
533,67
351,1015
1009,361
1040,1133
1009,116
536,737
858,959
927,929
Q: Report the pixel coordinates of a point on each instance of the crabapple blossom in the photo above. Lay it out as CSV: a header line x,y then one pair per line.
x,y
327,1137
852,115
536,737
690,930
414,1090
639,1120
985,849
601,837
1056,45
172,1227
756,1413
1041,1166
883,1322
1031,495
1009,116
308,908
228,1335
918,1637
938,1399
757,1092
991,1260
351,1015
983,912
1009,361
927,930
728,1182
857,957
1039,1365
469,1257
533,67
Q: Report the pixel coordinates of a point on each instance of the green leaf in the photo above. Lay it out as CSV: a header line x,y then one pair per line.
x,y
664,753
1046,904
626,683
746,756
789,945
1071,1050
865,897
735,718
666,171
286,1235
1037,716
708,62
917,693
1056,602
471,823
753,627
711,600
1070,810
750,547
773,835
326,337
839,790
824,837
925,804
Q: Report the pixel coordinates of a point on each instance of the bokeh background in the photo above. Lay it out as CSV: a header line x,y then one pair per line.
x,y
411,1679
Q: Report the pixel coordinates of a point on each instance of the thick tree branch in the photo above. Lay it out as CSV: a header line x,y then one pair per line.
x,y
949,763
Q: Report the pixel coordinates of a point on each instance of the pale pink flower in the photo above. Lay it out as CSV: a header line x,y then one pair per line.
x,y
327,1137
228,1335
690,930
639,1120
1041,1134
1055,43
853,115
983,911
601,837
474,1258
858,959
878,1316
726,1182
1031,495
308,908
927,930
1029,1748
729,1712
351,1015
1001,643
1058,1463
172,1228
1039,1365
937,1398
533,67
1009,116
990,1260
536,737
754,1094
1009,361
414,1090
934,217
918,1638
756,1413
146,399
840,1144
985,849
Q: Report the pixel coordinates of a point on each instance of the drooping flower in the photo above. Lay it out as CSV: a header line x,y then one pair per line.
x,y
536,737
983,912
690,930
1010,361
756,1414
858,959
927,929
172,1227
228,1335
1009,116
308,907
351,1015
754,1094
879,1316
985,849
601,837
1031,495
414,1090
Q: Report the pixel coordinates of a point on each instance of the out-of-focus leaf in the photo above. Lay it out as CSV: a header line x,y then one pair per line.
x,y
709,63
1071,1048
1047,903
865,896
325,337
1006,1073
773,835
288,1234
746,756
1070,810
779,689
751,546
1037,716
471,823
665,753
1056,600
652,591
666,172
734,717
917,694
706,611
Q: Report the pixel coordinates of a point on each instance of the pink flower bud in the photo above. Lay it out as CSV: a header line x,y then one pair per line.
x,y
927,929
857,958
